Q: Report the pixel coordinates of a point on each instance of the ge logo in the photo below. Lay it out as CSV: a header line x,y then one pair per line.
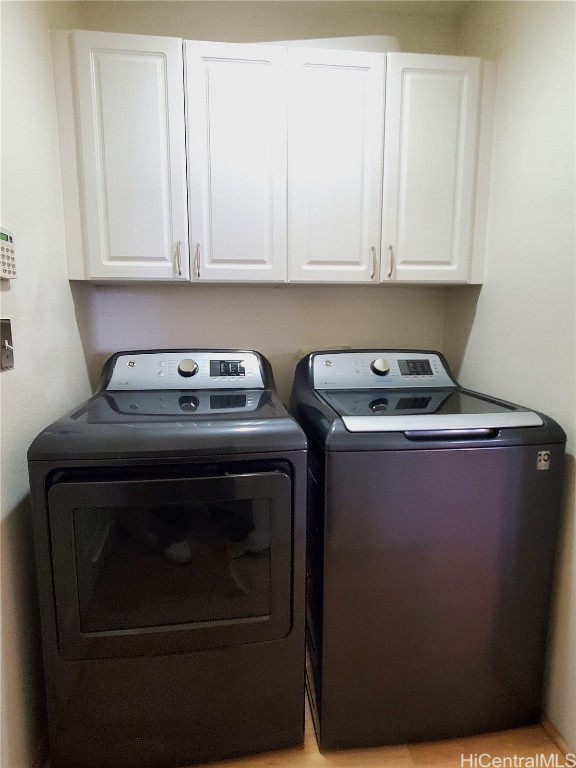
x,y
131,364
543,461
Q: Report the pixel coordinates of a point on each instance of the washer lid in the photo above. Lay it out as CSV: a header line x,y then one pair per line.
x,y
420,410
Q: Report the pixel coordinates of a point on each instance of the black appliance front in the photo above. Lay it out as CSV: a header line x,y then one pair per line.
x,y
430,553
172,607
435,580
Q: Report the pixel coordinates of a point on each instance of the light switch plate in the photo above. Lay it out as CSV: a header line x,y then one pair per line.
x,y
6,343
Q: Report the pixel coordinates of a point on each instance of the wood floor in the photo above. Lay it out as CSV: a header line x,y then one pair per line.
x,y
521,743
524,742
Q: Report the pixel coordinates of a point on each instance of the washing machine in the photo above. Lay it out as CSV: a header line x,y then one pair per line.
x,y
169,524
432,524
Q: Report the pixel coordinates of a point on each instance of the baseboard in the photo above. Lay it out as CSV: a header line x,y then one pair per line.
x,y
556,737
41,758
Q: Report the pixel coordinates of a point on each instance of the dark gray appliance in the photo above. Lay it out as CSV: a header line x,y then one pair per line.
x,y
169,522
432,524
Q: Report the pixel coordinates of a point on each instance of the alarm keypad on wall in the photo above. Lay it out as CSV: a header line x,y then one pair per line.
x,y
7,255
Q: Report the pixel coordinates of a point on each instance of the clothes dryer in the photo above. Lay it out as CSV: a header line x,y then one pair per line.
x,y
169,522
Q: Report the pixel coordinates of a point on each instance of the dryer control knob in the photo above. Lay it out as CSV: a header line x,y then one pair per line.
x,y
187,368
380,367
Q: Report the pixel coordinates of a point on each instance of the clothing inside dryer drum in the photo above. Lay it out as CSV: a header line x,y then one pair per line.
x,y
172,563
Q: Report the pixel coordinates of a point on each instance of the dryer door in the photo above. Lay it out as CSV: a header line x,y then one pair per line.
x,y
170,565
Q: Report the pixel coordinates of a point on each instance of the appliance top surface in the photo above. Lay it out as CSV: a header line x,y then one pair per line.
x,y
185,407
403,391
232,408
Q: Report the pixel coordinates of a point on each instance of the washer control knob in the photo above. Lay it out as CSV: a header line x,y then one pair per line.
x,y
380,367
187,368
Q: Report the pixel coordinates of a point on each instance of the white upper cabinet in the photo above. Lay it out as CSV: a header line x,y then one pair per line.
x,y
130,153
236,132
335,123
253,163
430,154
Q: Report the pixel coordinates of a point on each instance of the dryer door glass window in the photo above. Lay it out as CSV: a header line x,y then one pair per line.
x,y
161,564
140,565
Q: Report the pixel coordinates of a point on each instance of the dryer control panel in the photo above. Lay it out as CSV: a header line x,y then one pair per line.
x,y
380,369
186,369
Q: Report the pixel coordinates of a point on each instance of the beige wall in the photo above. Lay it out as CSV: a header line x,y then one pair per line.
x,y
427,27
280,322
50,372
516,337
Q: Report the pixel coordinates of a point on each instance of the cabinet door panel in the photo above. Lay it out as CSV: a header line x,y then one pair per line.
x,y
131,113
336,103
429,166
236,122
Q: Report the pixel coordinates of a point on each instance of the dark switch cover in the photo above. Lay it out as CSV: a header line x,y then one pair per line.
x,y
6,343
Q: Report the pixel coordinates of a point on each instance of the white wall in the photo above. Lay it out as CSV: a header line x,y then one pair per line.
x,y
516,337
50,371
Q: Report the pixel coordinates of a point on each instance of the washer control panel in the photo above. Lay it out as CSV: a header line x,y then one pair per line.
x,y
378,369
187,369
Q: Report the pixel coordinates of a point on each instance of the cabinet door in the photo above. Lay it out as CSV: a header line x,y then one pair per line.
x,y
131,123
336,107
430,149
236,128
